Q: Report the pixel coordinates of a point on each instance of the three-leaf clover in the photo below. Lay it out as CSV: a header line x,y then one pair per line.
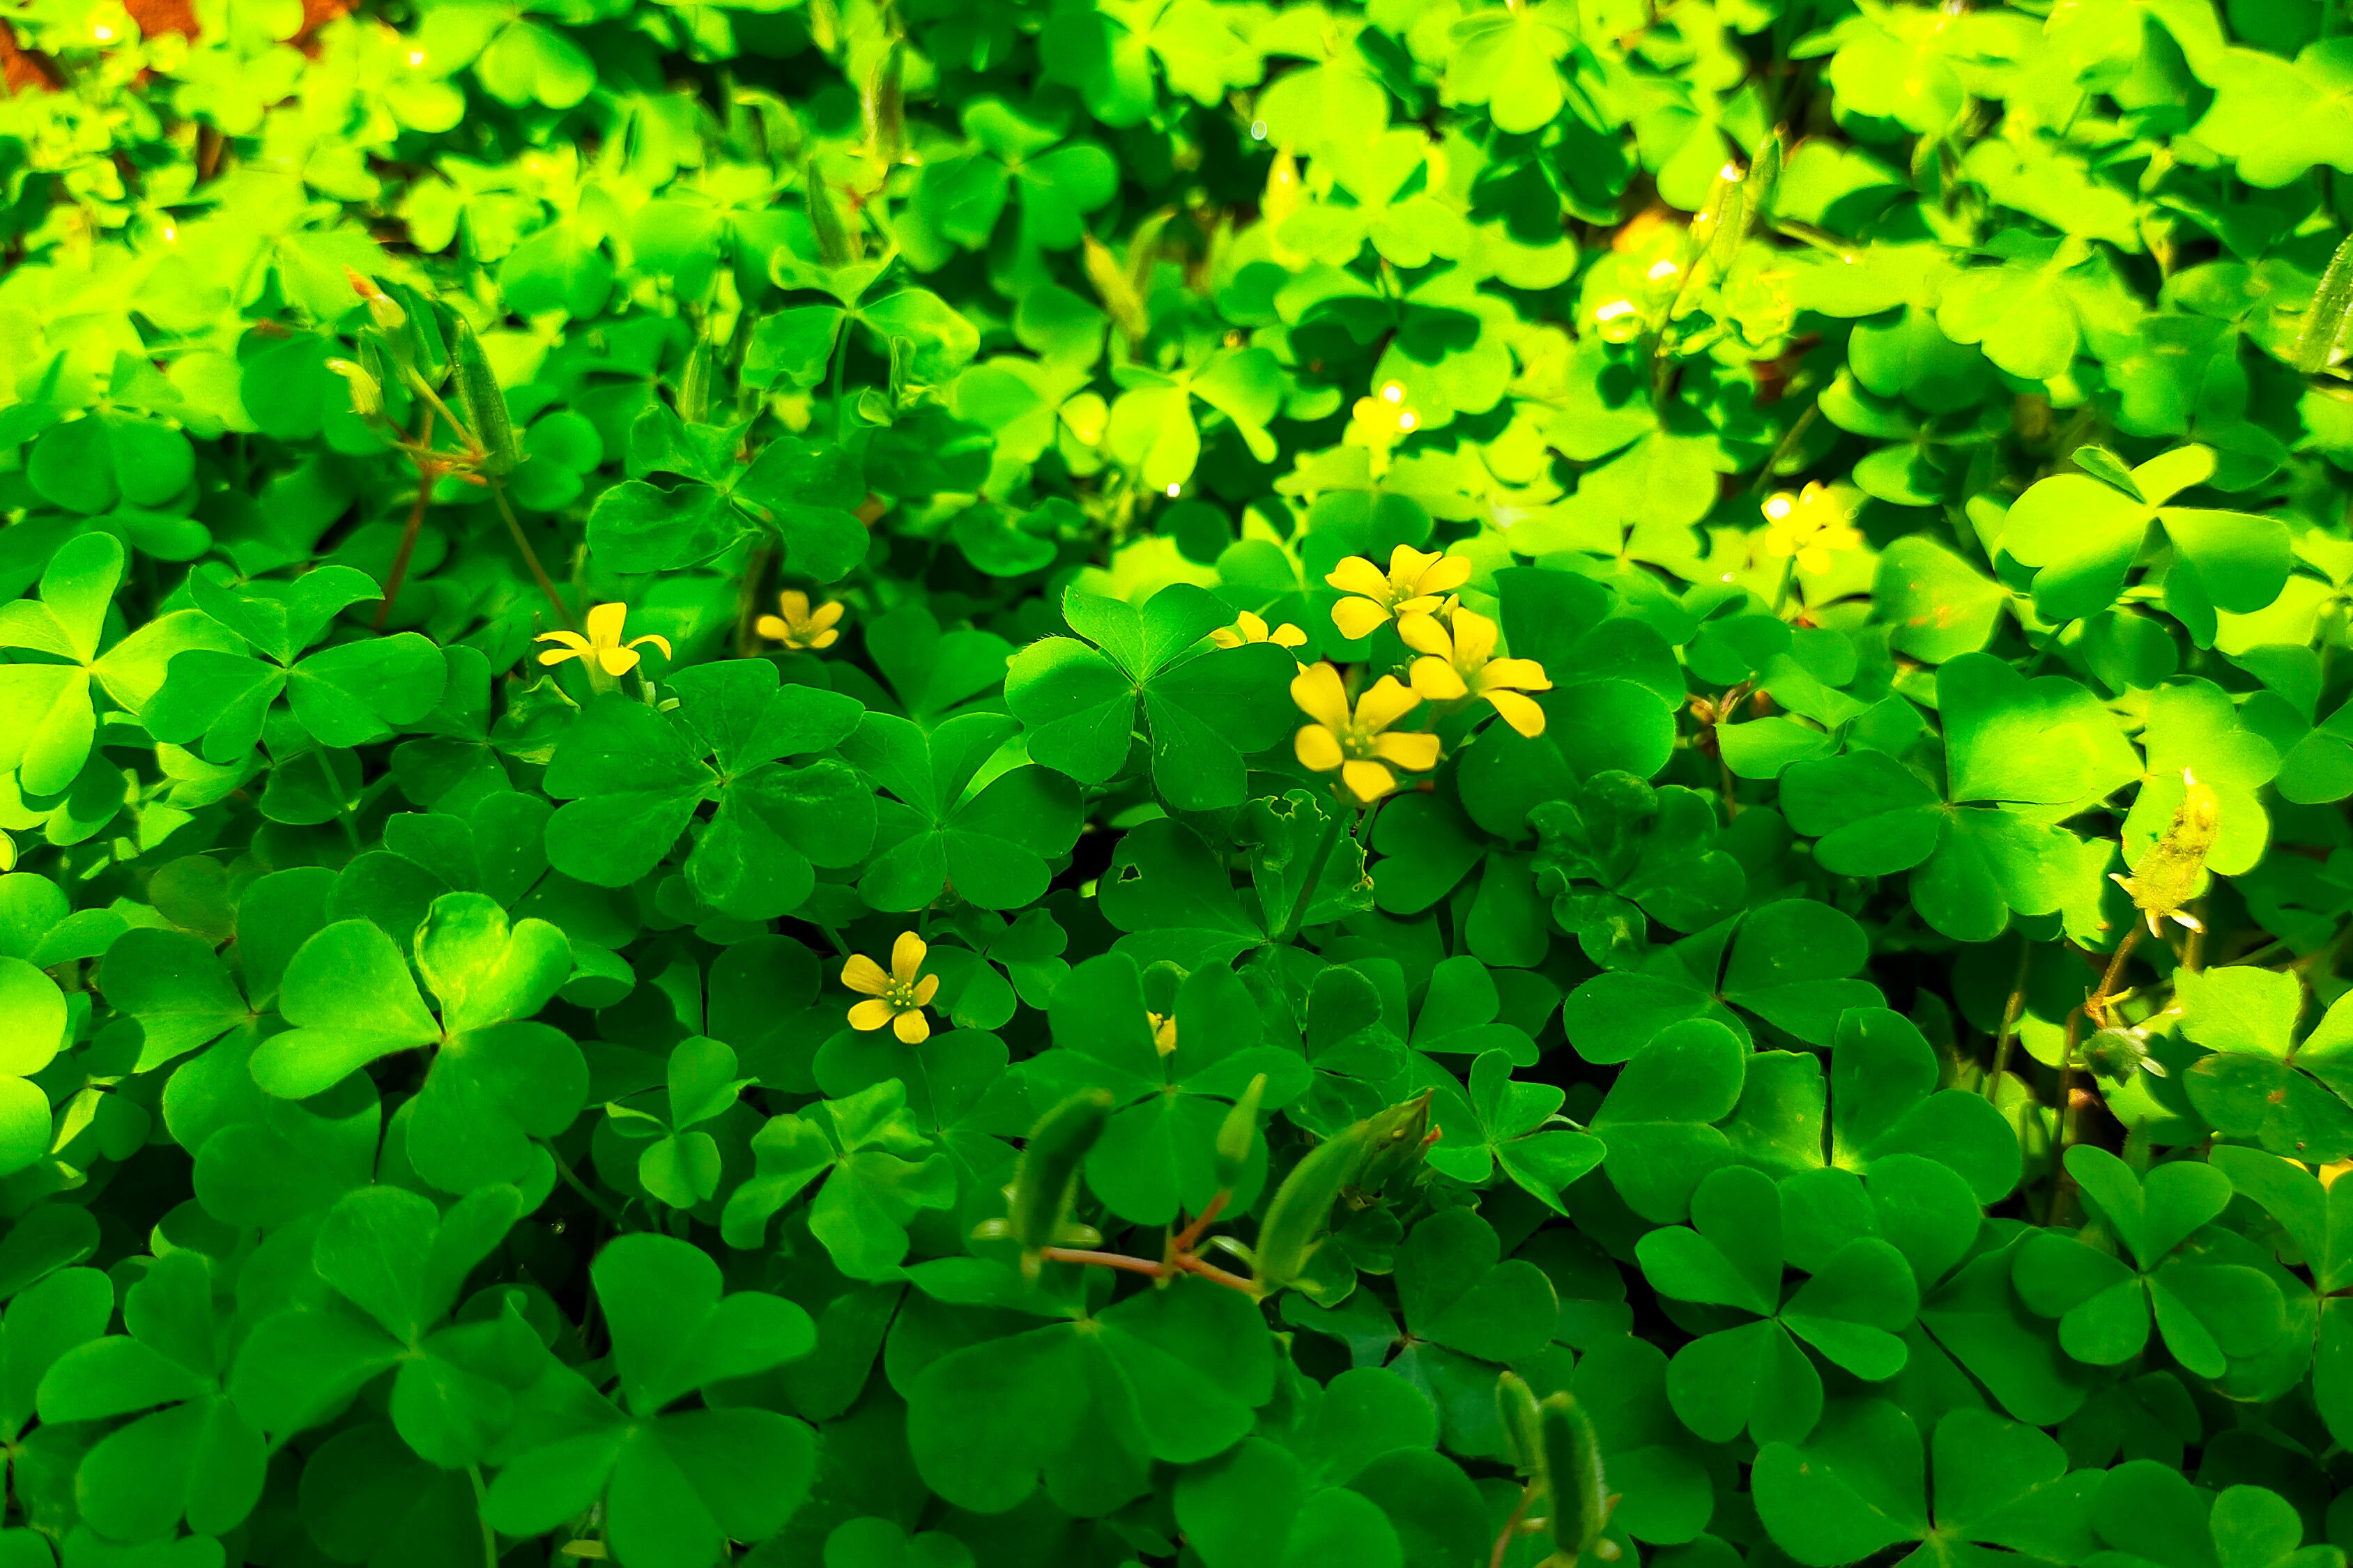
x,y
2206,1313
1203,706
1756,1375
48,722
1516,1126
986,837
2260,1082
878,1170
632,778
1856,1486
1159,1153
681,1165
804,495
346,695
676,1485
397,1267
1174,1374
2020,756
497,1080
192,1453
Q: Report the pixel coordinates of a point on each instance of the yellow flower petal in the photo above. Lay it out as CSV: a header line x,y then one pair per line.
x,y
925,989
617,660
1415,753
1513,675
824,615
654,638
826,638
1358,575
570,639
872,1014
605,622
772,627
1520,713
1287,635
862,973
1448,573
1385,704
1421,633
1225,637
907,957
1406,566
1356,618
1438,680
1317,691
1474,638
1367,781
913,1029
558,654
795,604
1318,750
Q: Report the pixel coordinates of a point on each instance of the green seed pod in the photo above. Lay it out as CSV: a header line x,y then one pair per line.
x,y
2324,323
832,239
1516,1404
1046,1180
1237,1133
1396,1139
1300,1216
485,404
885,105
1579,1492
1765,179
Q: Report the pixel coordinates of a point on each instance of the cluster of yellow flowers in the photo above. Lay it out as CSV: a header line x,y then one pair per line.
x,y
607,656
1459,662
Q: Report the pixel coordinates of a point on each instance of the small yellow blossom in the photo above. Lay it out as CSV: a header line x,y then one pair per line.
x,y
798,627
1810,526
1354,745
605,655
1163,1032
1462,663
1416,582
1249,628
897,998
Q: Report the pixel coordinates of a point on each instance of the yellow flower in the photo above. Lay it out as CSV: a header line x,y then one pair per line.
x,y
1416,582
800,627
1812,526
897,998
602,649
1354,746
1249,628
1464,664
1163,1032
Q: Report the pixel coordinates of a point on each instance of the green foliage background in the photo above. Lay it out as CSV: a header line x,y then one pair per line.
x,y
1909,439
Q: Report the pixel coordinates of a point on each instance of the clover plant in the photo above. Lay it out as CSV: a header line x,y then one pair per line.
x,y
1225,784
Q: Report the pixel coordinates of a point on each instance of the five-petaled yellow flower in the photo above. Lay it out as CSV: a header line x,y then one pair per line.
x,y
1810,526
896,998
1464,664
1416,582
1249,628
606,656
800,628
1356,745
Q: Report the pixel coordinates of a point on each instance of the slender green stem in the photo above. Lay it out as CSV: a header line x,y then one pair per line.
x,y
2010,1011
530,556
571,1178
481,1498
1321,858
